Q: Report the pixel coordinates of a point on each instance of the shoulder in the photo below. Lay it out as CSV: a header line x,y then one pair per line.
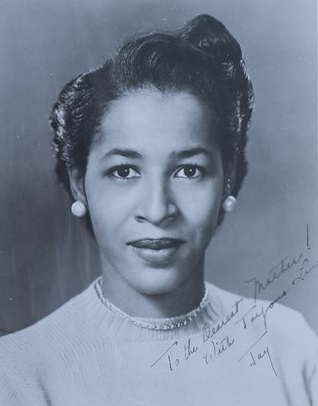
x,y
272,330
285,327
279,316
39,353
52,334
37,359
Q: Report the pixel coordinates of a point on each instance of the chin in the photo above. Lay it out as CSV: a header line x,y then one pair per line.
x,y
158,282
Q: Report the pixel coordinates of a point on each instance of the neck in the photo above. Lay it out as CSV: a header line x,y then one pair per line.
x,y
178,301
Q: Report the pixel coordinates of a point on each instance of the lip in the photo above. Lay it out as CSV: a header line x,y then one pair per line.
x,y
157,243
156,250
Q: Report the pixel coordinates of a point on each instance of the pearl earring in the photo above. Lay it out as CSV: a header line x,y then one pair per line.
x,y
78,209
229,203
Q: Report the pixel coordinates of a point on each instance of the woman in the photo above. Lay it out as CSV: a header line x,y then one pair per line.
x,y
151,147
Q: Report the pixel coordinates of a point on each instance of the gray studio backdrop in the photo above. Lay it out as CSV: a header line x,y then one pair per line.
x,y
46,257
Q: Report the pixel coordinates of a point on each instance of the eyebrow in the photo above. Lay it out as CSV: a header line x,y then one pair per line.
x,y
128,153
188,153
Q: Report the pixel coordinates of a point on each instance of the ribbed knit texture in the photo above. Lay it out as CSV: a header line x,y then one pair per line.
x,y
229,355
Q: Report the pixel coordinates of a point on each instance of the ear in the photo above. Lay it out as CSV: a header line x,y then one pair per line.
x,y
229,179
77,185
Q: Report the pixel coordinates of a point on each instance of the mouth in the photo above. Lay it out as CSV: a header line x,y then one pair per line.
x,y
157,243
156,250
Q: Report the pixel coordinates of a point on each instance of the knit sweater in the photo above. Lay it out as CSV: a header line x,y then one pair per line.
x,y
235,352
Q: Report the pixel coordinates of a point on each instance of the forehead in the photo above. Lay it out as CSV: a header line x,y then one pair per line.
x,y
152,118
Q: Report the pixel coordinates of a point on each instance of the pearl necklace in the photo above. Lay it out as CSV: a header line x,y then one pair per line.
x,y
163,324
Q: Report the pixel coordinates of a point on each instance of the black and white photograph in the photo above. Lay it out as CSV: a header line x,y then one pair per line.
x,y
158,203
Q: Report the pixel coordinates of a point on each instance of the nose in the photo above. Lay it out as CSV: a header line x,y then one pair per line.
x,y
156,204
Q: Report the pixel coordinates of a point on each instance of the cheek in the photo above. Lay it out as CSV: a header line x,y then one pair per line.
x,y
202,216
202,206
202,211
111,209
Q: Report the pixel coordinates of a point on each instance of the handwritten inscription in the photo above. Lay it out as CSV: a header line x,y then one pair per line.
x,y
218,348
275,273
179,353
256,358
208,347
303,272
246,316
209,331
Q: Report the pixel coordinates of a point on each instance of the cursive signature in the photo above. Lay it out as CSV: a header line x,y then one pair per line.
x,y
246,326
209,331
275,273
218,348
256,358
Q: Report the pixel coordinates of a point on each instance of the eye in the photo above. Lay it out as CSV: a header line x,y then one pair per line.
x,y
190,172
124,172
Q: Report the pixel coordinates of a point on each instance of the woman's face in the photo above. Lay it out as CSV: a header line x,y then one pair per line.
x,y
153,188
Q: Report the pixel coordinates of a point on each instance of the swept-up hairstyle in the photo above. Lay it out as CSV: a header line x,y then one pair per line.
x,y
202,58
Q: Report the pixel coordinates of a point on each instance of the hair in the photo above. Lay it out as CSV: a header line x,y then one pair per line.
x,y
202,58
